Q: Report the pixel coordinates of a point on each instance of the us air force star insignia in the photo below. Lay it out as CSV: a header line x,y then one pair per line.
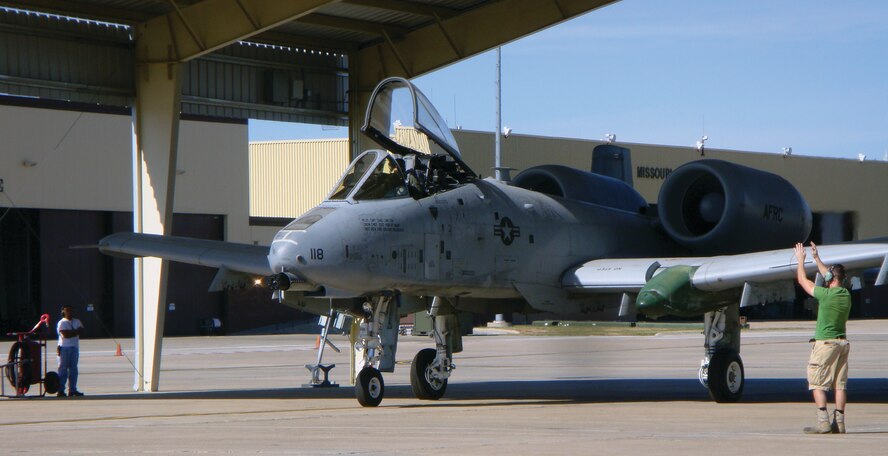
x,y
506,231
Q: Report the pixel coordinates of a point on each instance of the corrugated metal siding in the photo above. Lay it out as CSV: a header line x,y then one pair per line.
x,y
523,151
49,57
329,33
237,82
377,15
413,139
288,178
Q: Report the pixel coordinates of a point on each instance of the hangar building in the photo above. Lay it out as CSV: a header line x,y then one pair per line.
x,y
57,195
84,103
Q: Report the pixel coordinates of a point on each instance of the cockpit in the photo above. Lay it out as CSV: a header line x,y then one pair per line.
x,y
372,176
421,156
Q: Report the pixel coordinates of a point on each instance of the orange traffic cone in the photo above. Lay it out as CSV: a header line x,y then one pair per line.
x,y
119,353
318,343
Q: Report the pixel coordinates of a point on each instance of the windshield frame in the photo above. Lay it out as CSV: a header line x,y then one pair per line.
x,y
380,157
360,181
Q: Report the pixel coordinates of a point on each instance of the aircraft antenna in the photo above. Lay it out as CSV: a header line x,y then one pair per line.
x,y
498,153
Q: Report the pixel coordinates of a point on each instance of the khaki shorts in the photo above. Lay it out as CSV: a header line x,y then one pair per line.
x,y
828,365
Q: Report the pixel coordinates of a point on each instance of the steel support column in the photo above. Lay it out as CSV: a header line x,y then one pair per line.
x,y
155,143
360,87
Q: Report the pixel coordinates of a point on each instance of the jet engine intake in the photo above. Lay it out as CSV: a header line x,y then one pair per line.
x,y
713,206
579,185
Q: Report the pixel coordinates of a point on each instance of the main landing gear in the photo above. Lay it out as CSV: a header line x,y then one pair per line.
x,y
721,370
432,367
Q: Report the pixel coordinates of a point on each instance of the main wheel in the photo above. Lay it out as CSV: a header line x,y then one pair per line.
x,y
726,377
18,373
369,388
51,383
424,386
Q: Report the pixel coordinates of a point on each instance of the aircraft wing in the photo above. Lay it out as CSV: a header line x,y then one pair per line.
x,y
246,258
722,272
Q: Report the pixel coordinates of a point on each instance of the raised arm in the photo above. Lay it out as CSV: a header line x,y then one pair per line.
x,y
820,266
806,284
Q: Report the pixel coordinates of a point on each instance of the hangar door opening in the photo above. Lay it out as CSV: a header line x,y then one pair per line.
x,y
19,264
48,259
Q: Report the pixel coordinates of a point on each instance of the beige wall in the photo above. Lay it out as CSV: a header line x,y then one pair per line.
x,y
84,161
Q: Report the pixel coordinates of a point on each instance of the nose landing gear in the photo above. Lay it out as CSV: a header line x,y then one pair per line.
x,y
374,349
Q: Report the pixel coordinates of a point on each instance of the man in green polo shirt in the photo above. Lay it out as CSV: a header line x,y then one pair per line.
x,y
828,365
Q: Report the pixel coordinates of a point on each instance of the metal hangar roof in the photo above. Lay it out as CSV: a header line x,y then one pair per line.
x,y
267,59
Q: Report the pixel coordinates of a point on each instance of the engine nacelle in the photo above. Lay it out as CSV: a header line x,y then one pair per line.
x,y
580,185
713,206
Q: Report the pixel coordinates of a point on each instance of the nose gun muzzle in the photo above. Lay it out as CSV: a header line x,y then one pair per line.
x,y
284,281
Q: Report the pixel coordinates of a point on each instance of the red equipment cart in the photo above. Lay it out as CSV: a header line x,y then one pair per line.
x,y
25,366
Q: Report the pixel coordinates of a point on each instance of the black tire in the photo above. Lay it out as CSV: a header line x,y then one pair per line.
x,y
19,371
726,376
11,372
369,389
51,383
419,381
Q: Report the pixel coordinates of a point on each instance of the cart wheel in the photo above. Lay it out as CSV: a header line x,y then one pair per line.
x,y
18,374
51,383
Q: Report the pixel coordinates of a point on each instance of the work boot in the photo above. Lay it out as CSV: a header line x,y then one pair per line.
x,y
61,394
823,424
75,393
838,424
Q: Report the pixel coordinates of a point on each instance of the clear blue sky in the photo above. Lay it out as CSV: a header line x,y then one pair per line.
x,y
752,75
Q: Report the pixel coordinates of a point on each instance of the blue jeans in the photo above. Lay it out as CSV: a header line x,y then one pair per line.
x,y
68,358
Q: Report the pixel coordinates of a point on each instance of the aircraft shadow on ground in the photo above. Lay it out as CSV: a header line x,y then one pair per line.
x,y
767,390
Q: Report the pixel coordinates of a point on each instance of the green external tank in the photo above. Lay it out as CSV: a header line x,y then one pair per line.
x,y
671,292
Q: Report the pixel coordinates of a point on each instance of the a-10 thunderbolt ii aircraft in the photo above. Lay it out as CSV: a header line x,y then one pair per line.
x,y
412,220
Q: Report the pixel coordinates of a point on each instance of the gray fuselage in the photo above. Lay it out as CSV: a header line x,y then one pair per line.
x,y
477,240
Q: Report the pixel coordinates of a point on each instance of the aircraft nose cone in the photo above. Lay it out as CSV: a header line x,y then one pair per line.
x,y
650,303
283,253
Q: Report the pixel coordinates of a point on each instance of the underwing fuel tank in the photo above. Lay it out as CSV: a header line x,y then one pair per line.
x,y
671,293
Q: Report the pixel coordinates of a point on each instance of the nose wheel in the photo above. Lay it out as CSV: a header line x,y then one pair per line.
x,y
374,350
369,387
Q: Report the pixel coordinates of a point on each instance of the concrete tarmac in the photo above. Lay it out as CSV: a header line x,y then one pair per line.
x,y
509,395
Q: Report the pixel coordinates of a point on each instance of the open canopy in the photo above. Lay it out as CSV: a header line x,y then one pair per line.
x,y
401,119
